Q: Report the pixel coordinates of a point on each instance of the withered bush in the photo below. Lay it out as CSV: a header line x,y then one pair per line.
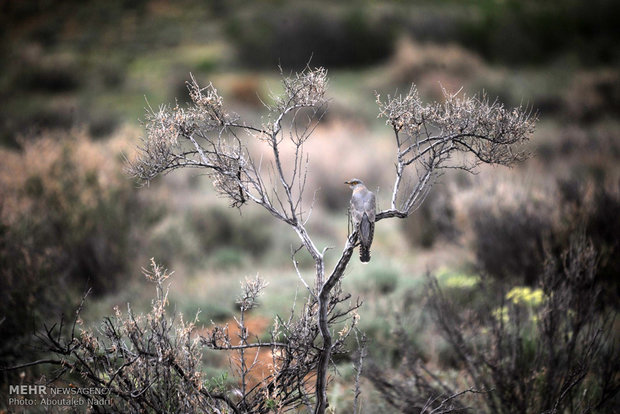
x,y
67,217
511,236
509,241
508,224
434,220
72,204
544,350
593,207
153,362
593,96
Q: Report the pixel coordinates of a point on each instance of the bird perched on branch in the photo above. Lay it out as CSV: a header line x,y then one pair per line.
x,y
363,209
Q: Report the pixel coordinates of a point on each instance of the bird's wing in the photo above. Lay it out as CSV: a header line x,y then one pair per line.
x,y
366,230
363,213
357,206
363,201
370,205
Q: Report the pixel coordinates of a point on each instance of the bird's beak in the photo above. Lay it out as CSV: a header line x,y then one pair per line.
x,y
348,182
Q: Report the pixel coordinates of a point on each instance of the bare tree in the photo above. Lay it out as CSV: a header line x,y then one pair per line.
x,y
461,132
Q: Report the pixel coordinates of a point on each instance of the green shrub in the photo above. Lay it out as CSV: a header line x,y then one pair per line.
x,y
291,35
377,277
207,310
462,288
540,31
217,227
227,257
385,280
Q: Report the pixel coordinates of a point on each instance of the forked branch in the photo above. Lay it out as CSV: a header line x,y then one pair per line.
x,y
461,132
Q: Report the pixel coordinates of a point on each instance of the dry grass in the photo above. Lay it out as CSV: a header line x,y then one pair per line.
x,y
432,66
97,162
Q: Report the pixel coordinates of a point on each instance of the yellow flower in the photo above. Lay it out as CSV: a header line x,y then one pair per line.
x,y
525,295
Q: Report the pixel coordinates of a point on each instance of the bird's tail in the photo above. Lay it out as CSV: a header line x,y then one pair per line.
x,y
364,254
366,235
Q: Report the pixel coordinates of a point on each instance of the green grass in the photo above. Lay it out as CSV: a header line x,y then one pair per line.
x,y
452,279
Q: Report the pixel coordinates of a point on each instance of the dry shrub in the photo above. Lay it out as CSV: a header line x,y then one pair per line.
x,y
433,221
593,207
509,229
592,147
146,361
67,217
545,350
593,95
247,90
54,164
506,218
427,64
512,223
155,361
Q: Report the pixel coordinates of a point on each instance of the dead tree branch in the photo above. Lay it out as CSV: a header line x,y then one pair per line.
x,y
429,139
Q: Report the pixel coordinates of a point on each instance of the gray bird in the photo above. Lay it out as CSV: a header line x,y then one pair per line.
x,y
363,209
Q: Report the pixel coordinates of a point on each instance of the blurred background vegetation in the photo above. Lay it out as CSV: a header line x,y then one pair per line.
x,y
75,77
